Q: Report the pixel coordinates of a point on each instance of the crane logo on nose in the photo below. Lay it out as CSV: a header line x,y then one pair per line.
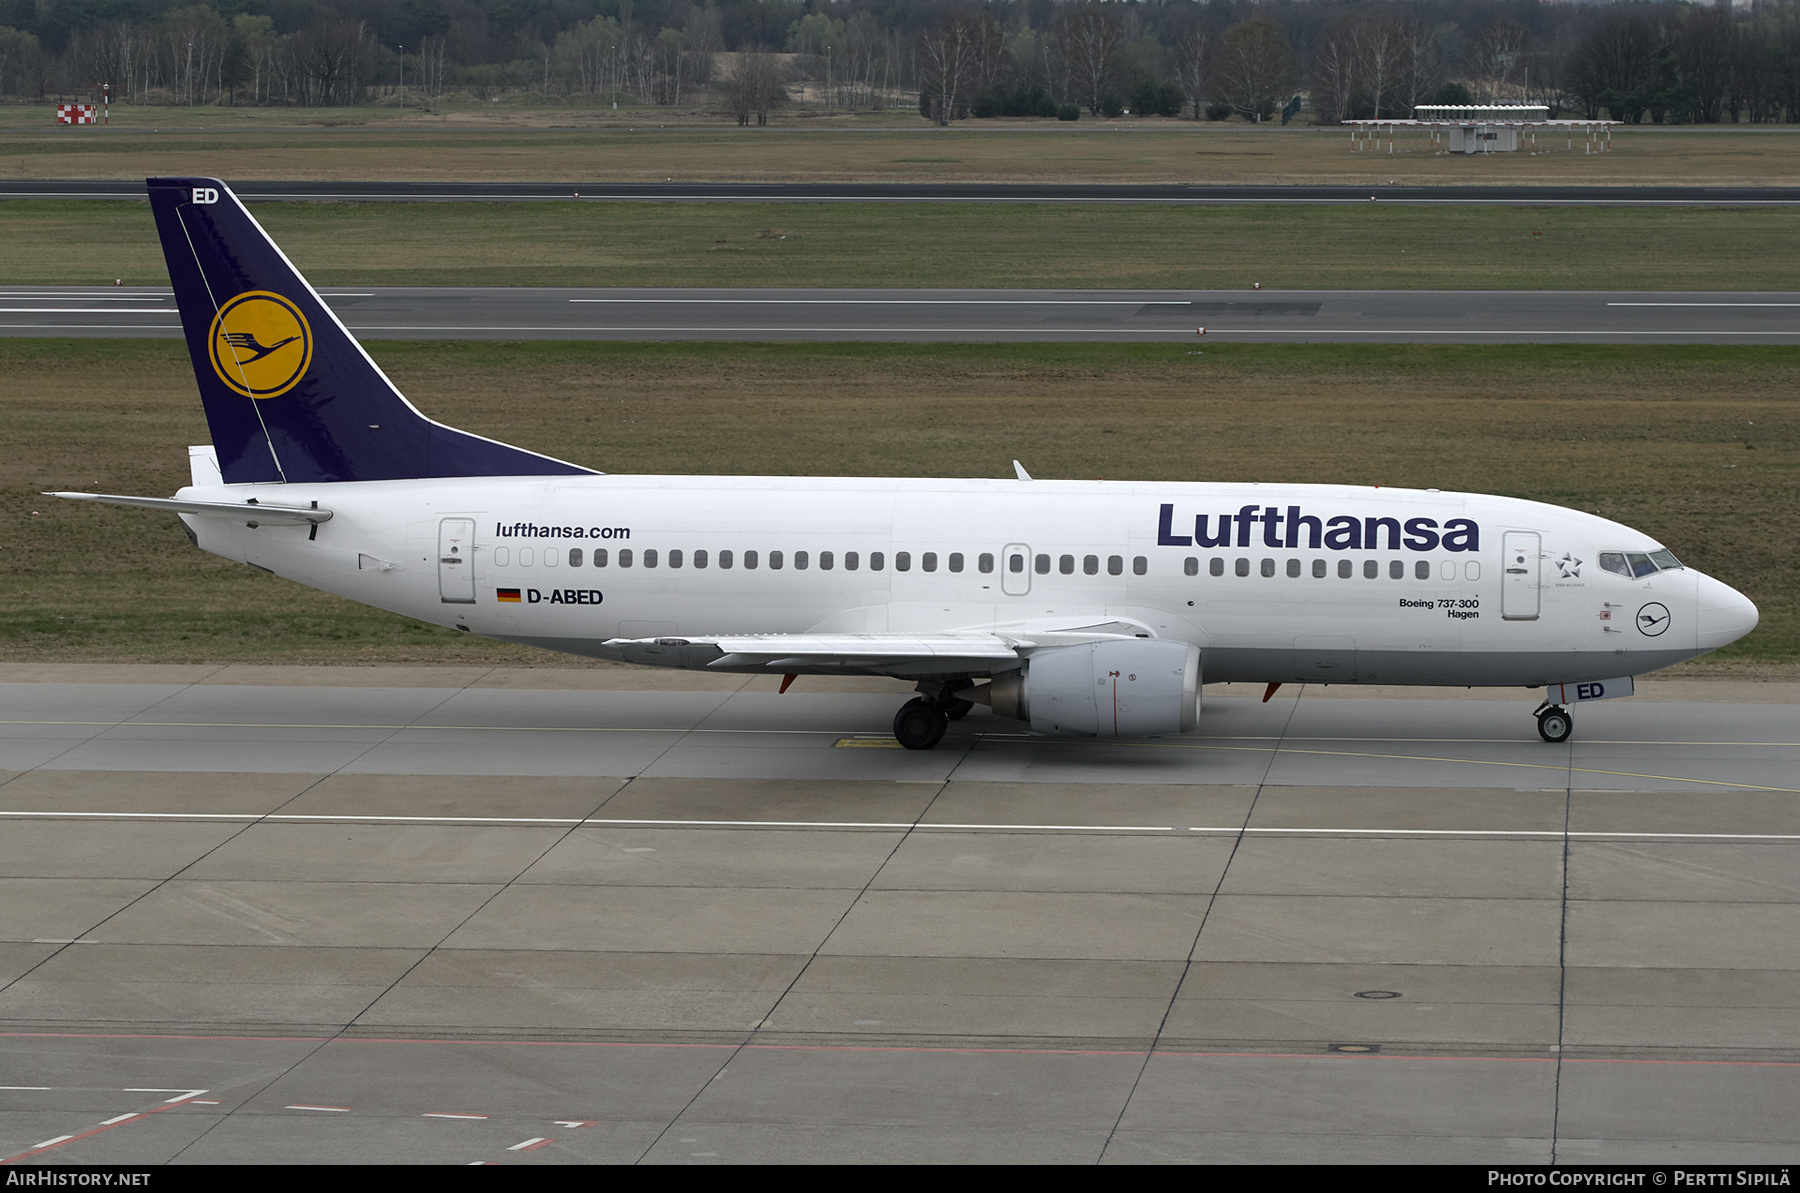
x,y
1653,619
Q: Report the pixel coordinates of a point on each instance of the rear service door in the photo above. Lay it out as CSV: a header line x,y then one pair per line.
x,y
456,561
1519,579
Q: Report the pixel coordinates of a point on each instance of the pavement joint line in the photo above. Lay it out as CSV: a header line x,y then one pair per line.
x,y
893,826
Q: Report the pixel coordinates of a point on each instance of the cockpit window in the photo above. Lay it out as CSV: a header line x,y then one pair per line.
x,y
1635,564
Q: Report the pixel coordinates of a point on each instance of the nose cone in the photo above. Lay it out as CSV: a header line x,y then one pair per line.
x,y
1725,614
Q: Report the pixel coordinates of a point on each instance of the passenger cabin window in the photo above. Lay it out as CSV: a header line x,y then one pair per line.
x,y
1268,568
550,556
800,561
624,557
1090,565
928,561
501,557
1293,569
984,563
877,561
1396,569
774,561
675,558
574,557
1015,564
851,560
649,557
1216,567
826,561
1115,566
1189,566
1371,569
956,561
700,558
1139,565
749,561
725,559
1344,568
903,561
1043,565
1243,567
1066,565
599,557
1318,569
1422,570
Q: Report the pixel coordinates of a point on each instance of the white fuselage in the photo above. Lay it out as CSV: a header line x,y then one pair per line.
x,y
1309,583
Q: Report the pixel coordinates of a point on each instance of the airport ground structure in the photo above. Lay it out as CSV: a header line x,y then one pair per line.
x,y
1481,128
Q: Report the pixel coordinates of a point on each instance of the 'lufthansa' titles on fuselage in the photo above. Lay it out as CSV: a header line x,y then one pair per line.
x,y
1293,529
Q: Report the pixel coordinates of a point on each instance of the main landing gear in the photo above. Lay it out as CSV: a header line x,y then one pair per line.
x,y
921,721
1554,723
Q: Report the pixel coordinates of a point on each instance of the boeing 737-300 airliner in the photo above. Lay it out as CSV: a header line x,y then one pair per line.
x,y
1081,608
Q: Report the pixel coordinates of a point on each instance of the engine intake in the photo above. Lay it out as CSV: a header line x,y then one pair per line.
x,y
1139,688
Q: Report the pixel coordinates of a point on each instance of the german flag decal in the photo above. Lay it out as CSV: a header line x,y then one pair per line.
x,y
507,595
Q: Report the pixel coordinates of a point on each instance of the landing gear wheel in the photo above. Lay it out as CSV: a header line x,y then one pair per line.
x,y
1555,725
956,710
919,725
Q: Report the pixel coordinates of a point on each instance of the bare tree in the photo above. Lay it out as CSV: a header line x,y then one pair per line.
x,y
1497,60
1193,64
951,52
1089,41
754,83
1257,67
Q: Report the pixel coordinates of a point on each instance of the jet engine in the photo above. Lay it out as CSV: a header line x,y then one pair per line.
x,y
1143,687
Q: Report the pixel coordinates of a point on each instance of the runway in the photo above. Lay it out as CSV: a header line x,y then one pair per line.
x,y
1185,194
1118,316
454,914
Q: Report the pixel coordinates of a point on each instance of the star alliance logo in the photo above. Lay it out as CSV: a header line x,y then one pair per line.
x,y
1568,567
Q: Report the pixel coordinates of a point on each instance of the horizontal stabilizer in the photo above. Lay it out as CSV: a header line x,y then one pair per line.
x,y
249,510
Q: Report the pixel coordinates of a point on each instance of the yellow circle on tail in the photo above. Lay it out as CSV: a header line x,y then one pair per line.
x,y
260,344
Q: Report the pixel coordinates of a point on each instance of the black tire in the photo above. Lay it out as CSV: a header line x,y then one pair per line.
x,y
1555,725
956,710
918,725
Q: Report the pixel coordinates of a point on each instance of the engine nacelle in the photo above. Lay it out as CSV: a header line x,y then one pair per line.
x,y
1144,687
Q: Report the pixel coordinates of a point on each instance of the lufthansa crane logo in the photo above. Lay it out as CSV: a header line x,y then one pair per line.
x,y
260,344
1653,619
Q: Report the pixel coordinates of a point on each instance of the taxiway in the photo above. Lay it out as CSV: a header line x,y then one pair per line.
x,y
265,914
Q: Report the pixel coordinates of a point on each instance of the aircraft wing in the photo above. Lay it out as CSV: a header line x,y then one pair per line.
x,y
249,511
960,652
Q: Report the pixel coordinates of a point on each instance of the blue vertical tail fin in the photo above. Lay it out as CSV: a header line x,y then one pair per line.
x,y
289,393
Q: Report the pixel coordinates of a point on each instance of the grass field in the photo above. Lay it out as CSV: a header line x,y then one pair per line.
x,y
583,144
1378,246
1698,446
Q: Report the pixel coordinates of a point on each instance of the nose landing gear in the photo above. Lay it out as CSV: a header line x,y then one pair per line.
x,y
1554,723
